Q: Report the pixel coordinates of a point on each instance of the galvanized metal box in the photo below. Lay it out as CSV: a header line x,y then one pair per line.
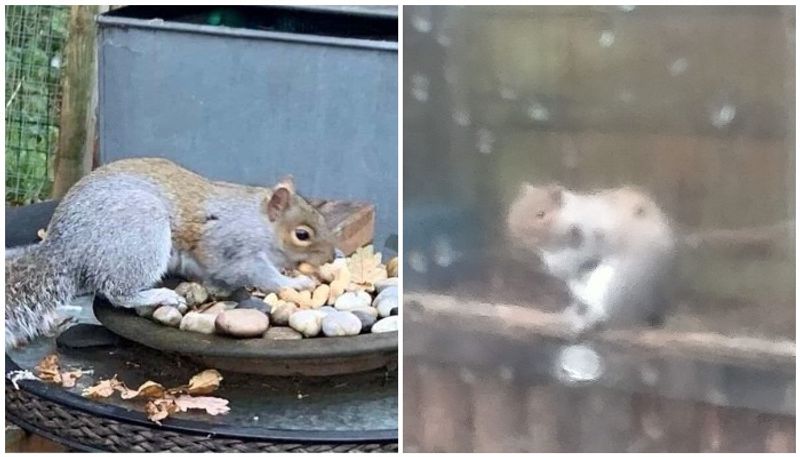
x,y
305,91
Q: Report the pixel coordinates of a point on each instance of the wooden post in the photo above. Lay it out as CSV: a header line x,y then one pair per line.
x,y
73,158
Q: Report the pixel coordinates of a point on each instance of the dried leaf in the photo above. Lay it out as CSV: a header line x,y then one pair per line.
x,y
204,382
149,389
392,267
212,405
159,409
104,388
48,370
366,268
69,378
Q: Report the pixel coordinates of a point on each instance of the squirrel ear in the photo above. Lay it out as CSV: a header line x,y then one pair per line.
x,y
278,203
287,182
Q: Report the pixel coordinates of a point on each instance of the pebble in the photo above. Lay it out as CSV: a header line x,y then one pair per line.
x,y
242,323
255,303
367,319
219,307
368,310
168,315
281,313
308,322
183,308
283,333
193,292
240,295
341,324
328,310
386,301
352,300
386,283
387,324
198,322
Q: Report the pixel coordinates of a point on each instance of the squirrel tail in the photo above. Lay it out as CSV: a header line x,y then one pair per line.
x,y
35,286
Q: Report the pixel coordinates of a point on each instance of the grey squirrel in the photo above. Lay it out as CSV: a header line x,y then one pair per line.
x,y
126,224
615,250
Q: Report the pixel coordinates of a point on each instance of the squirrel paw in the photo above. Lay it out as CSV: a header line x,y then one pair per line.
x,y
302,283
151,297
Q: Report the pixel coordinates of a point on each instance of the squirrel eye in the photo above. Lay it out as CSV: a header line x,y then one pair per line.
x,y
302,235
540,215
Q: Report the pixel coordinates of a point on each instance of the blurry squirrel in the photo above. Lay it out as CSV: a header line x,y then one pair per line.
x,y
128,223
614,249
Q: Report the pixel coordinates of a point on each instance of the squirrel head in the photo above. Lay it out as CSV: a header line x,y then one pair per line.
x,y
533,213
301,230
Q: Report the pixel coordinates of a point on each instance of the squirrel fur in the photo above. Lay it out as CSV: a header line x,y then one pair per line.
x,y
128,223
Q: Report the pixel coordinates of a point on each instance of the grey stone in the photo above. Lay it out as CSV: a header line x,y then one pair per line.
x,y
242,323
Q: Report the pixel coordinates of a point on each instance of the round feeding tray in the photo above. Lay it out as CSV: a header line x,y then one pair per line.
x,y
308,357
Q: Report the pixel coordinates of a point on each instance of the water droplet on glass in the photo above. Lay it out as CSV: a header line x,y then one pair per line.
x,y
579,363
678,66
506,373
508,94
649,375
606,39
627,8
419,87
421,24
450,74
55,62
485,141
417,262
443,40
538,112
461,117
443,253
722,117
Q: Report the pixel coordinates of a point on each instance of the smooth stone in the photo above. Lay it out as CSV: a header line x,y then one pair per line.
x,y
198,323
242,323
240,295
341,324
308,322
387,324
255,303
193,292
352,300
386,301
283,333
367,319
281,313
168,315
368,310
219,307
386,283
146,311
183,308
86,336
327,310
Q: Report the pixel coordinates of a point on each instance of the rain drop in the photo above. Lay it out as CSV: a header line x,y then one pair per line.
x,y
485,141
723,116
461,117
607,38
421,24
627,8
419,87
443,253
508,94
55,62
538,112
417,262
678,66
626,96
579,363
444,40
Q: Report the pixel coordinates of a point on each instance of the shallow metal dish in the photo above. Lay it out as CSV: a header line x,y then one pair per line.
x,y
308,357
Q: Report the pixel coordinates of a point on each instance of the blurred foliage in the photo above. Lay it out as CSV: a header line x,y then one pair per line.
x,y
35,36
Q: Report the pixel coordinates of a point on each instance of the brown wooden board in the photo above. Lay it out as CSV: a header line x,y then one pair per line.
x,y
353,222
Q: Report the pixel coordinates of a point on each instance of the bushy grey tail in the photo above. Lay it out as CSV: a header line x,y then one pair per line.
x,y
35,286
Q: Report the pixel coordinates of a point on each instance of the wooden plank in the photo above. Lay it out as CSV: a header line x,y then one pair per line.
x,y
444,410
515,321
76,143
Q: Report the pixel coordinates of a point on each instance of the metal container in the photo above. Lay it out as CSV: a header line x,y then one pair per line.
x,y
305,91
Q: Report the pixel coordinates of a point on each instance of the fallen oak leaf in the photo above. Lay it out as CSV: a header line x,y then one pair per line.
x,y
48,370
69,378
160,408
212,405
104,388
204,382
366,268
149,389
